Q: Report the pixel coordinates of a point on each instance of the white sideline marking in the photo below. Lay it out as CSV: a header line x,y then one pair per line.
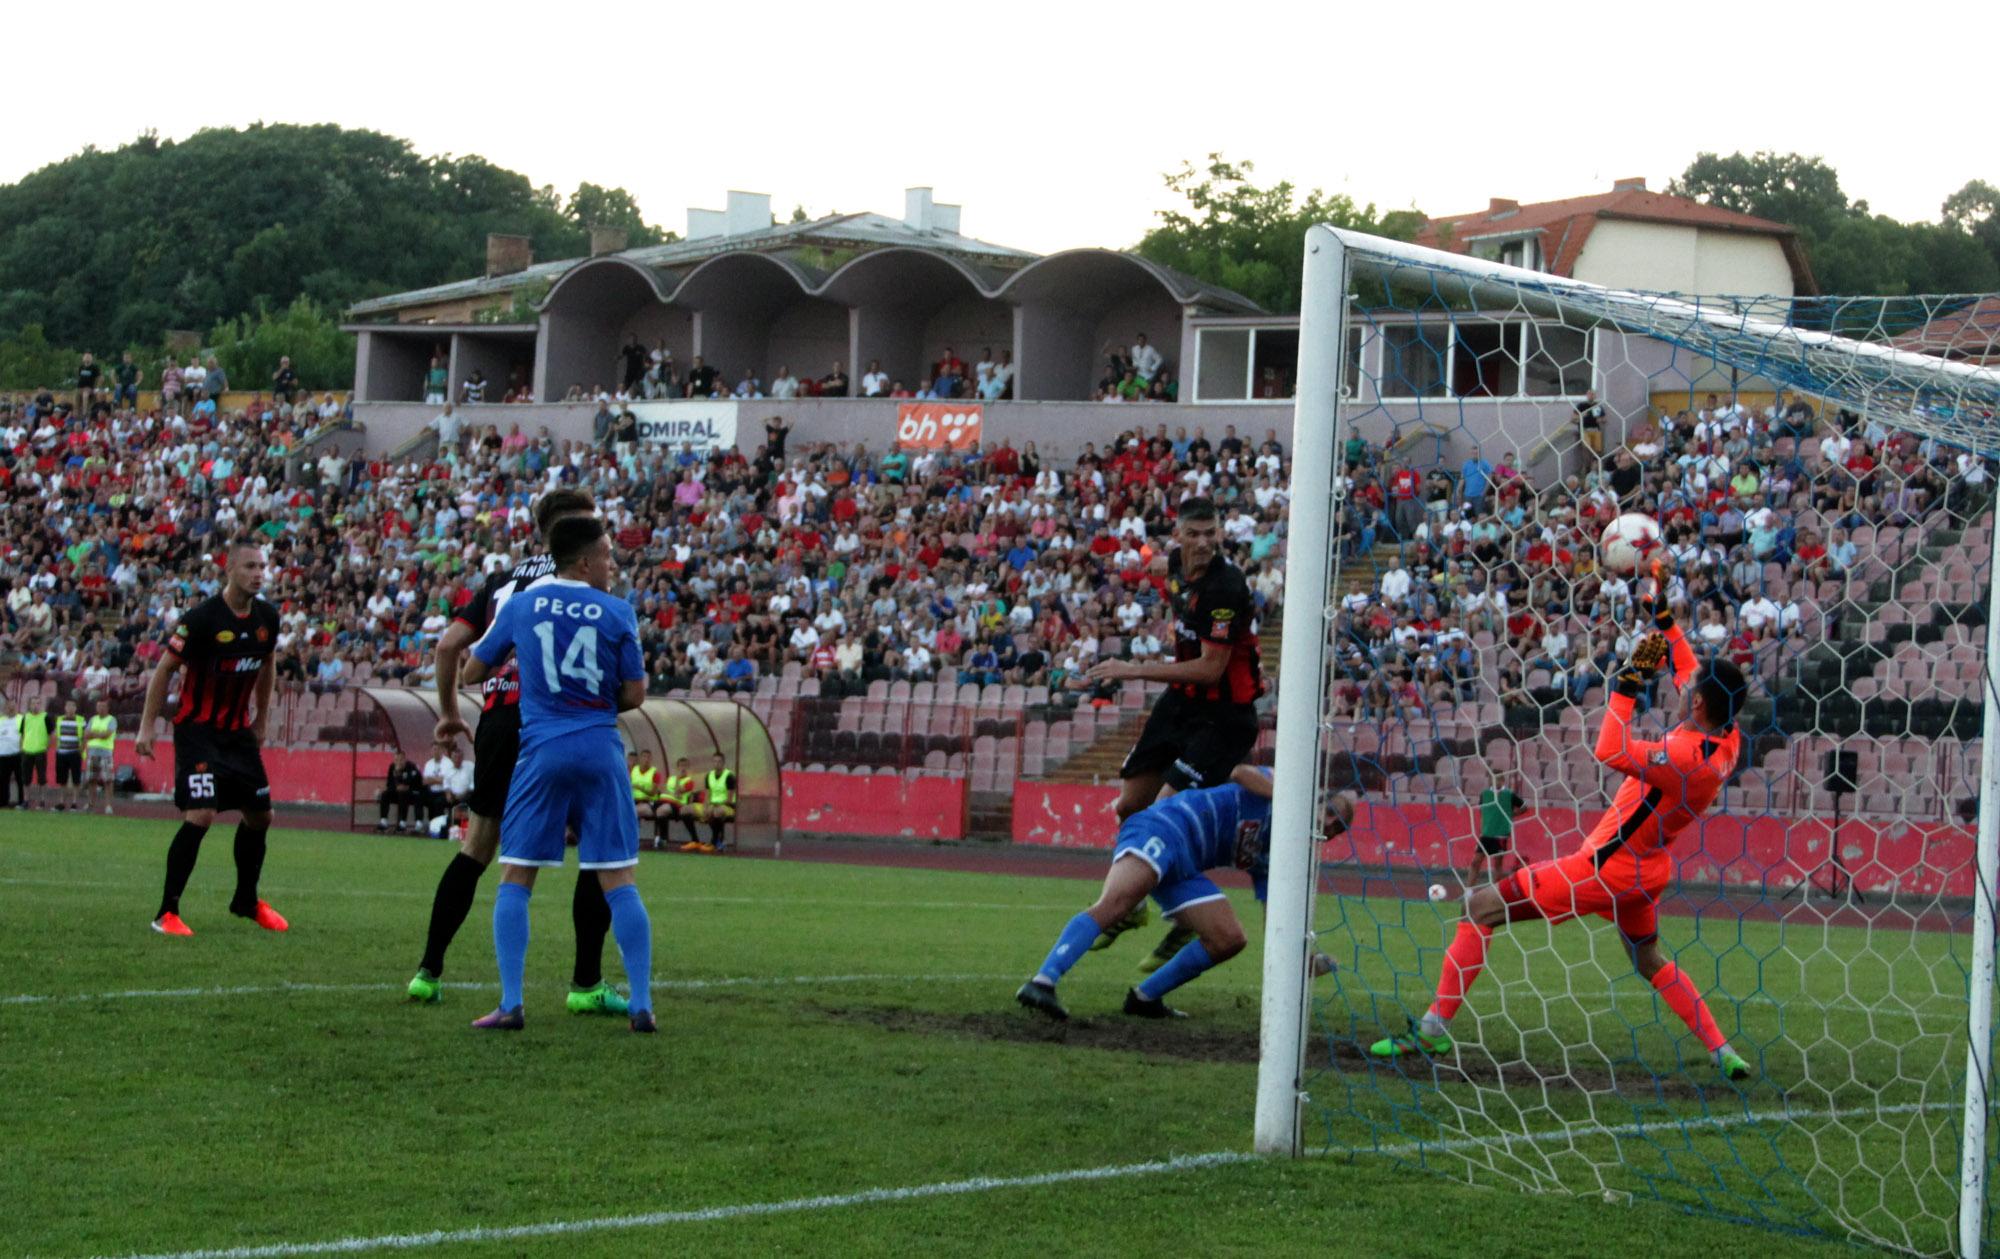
x,y
653,1219
659,985
980,1184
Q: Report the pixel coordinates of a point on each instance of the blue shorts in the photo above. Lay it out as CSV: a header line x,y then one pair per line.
x,y
1167,851
578,781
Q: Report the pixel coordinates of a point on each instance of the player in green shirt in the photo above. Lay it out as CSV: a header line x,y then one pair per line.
x,y
1499,805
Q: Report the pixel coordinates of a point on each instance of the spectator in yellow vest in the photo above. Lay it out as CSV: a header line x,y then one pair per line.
x,y
100,752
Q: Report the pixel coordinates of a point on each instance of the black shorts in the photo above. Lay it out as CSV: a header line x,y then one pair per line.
x,y
1192,744
35,767
69,769
218,769
496,745
1495,845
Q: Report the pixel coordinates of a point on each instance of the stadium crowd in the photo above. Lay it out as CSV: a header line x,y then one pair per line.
x,y
997,566
1135,373
854,565
1495,591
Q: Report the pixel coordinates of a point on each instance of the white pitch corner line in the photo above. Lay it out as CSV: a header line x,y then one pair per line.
x,y
988,1184
659,985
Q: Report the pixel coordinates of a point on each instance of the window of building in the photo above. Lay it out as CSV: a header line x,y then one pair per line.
x,y
1512,251
1222,365
1246,364
1484,358
1415,360
1556,361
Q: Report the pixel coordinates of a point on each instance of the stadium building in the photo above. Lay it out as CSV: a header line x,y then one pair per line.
x,y
747,294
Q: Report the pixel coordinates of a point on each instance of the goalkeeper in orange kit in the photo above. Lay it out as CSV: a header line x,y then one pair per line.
x,y
1623,866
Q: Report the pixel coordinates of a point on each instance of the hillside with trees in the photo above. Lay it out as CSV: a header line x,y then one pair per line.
x,y
269,223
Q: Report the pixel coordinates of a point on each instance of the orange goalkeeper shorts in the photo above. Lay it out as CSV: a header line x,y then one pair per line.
x,y
1622,890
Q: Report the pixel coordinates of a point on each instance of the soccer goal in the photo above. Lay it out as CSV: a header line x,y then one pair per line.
x,y
1820,470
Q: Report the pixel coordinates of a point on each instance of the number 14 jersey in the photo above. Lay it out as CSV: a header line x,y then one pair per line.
x,y
573,646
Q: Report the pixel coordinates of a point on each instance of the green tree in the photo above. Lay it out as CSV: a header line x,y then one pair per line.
x,y
106,249
1975,208
1785,187
1251,240
28,361
591,206
249,347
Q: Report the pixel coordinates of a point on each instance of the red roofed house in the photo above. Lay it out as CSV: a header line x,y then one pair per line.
x,y
1968,333
1630,238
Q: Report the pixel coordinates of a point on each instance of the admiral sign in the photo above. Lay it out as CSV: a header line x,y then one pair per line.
x,y
706,426
938,425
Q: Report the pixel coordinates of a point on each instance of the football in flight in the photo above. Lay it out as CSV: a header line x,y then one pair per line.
x,y
1629,543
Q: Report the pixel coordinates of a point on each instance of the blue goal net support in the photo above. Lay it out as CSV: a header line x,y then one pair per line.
x,y
1822,470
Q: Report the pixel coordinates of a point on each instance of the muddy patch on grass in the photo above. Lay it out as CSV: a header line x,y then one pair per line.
x,y
1186,1040
1191,1040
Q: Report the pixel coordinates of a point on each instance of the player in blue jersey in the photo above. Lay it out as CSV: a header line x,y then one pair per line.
x,y
1164,851
577,650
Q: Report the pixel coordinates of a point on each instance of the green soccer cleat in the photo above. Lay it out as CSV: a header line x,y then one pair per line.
x,y
1139,917
1732,1066
1176,940
426,988
1414,1043
603,999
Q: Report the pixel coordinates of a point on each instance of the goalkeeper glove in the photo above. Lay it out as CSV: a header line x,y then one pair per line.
x,y
1656,603
1645,662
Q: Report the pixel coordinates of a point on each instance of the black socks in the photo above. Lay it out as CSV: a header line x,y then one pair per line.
x,y
249,868
181,856
455,890
592,916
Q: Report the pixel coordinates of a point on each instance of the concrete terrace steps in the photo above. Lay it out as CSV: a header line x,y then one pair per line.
x,y
1099,760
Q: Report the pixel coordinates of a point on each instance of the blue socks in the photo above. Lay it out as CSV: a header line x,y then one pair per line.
x,y
634,932
1192,960
1071,945
510,940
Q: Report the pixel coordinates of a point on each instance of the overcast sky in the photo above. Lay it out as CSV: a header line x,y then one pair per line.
x,y
1050,122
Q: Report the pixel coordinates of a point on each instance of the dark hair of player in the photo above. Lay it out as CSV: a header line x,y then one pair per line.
x,y
1198,509
571,536
557,503
1721,689
243,544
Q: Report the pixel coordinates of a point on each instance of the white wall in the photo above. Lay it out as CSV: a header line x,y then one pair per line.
x,y
1735,262
1661,257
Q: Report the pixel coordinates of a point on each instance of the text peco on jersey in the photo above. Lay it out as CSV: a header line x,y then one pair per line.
x,y
503,688
1215,608
223,653
574,647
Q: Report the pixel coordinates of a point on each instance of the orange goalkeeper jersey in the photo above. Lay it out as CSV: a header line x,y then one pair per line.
x,y
1669,783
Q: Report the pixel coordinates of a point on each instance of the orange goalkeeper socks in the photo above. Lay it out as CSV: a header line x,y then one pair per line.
x,y
1679,992
1463,960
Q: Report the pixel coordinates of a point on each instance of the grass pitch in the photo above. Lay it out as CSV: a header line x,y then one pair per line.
x,y
833,1032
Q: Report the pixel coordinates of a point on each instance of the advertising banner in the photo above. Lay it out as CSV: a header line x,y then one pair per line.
x,y
938,425
704,425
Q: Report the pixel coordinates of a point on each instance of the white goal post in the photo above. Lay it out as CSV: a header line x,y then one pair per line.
x,y
1955,402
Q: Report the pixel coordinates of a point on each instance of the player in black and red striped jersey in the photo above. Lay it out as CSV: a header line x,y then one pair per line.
x,y
225,645
1206,723
495,748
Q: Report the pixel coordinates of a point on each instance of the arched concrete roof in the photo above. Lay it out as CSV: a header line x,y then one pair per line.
x,y
739,280
1083,278
908,276
592,281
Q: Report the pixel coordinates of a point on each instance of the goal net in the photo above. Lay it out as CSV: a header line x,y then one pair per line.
x,y
1820,468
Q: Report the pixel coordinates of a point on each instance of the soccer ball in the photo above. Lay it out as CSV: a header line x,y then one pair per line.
x,y
1628,542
